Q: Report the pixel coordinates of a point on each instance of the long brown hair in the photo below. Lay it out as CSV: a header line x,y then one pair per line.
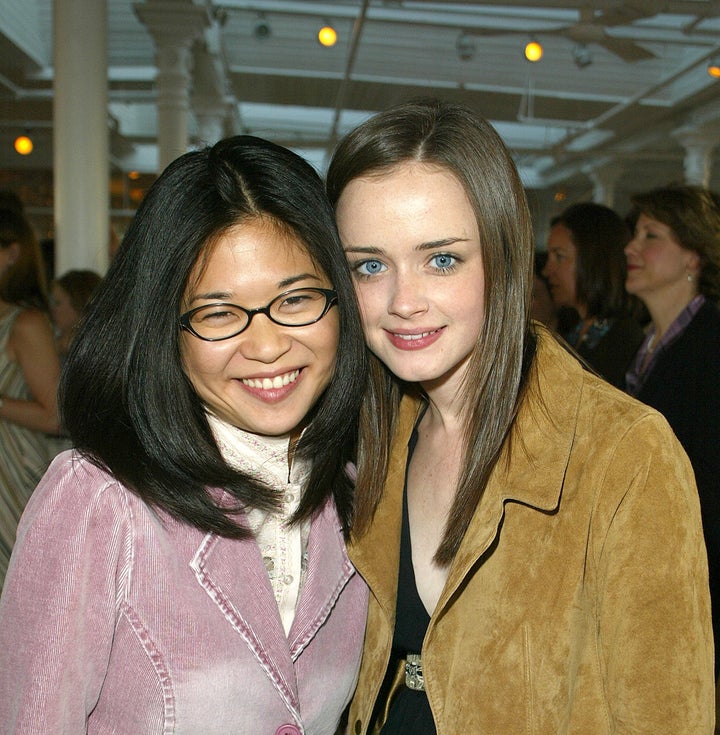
x,y
455,138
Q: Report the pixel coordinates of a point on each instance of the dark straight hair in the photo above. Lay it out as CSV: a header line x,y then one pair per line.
x,y
600,235
456,139
125,399
23,284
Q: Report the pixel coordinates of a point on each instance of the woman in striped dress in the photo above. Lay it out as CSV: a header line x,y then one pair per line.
x,y
29,372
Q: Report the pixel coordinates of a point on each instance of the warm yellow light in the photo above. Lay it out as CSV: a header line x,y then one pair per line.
x,y
327,36
23,145
133,175
533,51
714,69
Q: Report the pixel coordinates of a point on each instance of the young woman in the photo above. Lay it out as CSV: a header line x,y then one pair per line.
x,y
29,374
531,536
586,271
673,265
184,570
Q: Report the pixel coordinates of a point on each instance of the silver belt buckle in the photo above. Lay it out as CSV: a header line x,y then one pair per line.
x,y
413,672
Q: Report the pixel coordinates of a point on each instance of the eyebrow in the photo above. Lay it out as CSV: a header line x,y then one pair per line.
x,y
284,284
431,245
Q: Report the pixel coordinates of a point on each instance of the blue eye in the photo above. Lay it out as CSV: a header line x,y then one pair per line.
x,y
443,261
369,267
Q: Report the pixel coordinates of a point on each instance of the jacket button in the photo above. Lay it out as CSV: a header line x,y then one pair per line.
x,y
288,730
358,727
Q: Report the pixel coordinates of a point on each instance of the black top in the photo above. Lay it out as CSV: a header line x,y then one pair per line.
x,y
684,385
410,712
611,354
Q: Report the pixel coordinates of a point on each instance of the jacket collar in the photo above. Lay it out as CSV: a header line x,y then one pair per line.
x,y
530,470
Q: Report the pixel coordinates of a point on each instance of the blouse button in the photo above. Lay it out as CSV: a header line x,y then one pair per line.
x,y
288,579
287,730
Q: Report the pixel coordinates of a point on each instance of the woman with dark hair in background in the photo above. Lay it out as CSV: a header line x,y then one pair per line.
x,y
586,271
184,569
29,372
673,265
69,297
531,536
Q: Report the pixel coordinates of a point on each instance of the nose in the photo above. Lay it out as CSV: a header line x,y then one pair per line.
x,y
546,269
408,297
630,247
264,341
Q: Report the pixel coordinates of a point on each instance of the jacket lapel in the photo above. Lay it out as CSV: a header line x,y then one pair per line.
x,y
532,465
232,573
376,555
328,571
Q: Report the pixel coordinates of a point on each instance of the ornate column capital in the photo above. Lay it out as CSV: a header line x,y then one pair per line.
x,y
171,23
698,140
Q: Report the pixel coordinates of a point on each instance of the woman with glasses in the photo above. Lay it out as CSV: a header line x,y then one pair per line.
x,y
184,569
531,535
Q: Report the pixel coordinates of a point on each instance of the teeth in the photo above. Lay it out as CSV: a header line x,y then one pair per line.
x,y
268,383
410,337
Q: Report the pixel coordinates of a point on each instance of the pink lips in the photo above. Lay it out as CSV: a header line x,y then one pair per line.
x,y
414,340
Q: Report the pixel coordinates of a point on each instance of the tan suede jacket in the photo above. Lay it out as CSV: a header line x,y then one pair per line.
x,y
578,601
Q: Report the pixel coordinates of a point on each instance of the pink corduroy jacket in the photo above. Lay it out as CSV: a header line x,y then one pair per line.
x,y
115,619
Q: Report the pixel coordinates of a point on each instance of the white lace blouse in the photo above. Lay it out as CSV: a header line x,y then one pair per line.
x,y
283,547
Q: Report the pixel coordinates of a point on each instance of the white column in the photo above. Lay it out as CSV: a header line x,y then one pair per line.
x,y
604,178
174,26
698,142
211,122
210,99
81,137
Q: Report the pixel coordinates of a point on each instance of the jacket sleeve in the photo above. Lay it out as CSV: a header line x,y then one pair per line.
x,y
652,598
58,606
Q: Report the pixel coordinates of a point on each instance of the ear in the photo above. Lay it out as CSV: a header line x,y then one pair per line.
x,y
692,262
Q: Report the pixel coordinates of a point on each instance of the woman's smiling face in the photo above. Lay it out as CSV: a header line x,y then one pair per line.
x,y
266,379
413,245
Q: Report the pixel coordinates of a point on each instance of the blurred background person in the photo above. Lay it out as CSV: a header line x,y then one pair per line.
x,y
586,271
29,372
673,264
542,306
69,296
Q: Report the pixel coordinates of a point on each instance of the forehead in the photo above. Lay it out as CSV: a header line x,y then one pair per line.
x,y
408,199
560,236
646,220
256,252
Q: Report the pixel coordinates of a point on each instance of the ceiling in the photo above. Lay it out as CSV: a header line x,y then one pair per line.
x,y
646,78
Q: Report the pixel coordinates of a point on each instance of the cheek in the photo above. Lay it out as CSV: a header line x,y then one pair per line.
x,y
370,301
197,362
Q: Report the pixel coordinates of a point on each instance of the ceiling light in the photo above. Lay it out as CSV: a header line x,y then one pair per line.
x,y
713,68
23,145
581,55
262,30
533,51
465,46
327,36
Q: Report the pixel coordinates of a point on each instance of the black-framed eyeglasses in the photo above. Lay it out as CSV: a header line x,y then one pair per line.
x,y
297,308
